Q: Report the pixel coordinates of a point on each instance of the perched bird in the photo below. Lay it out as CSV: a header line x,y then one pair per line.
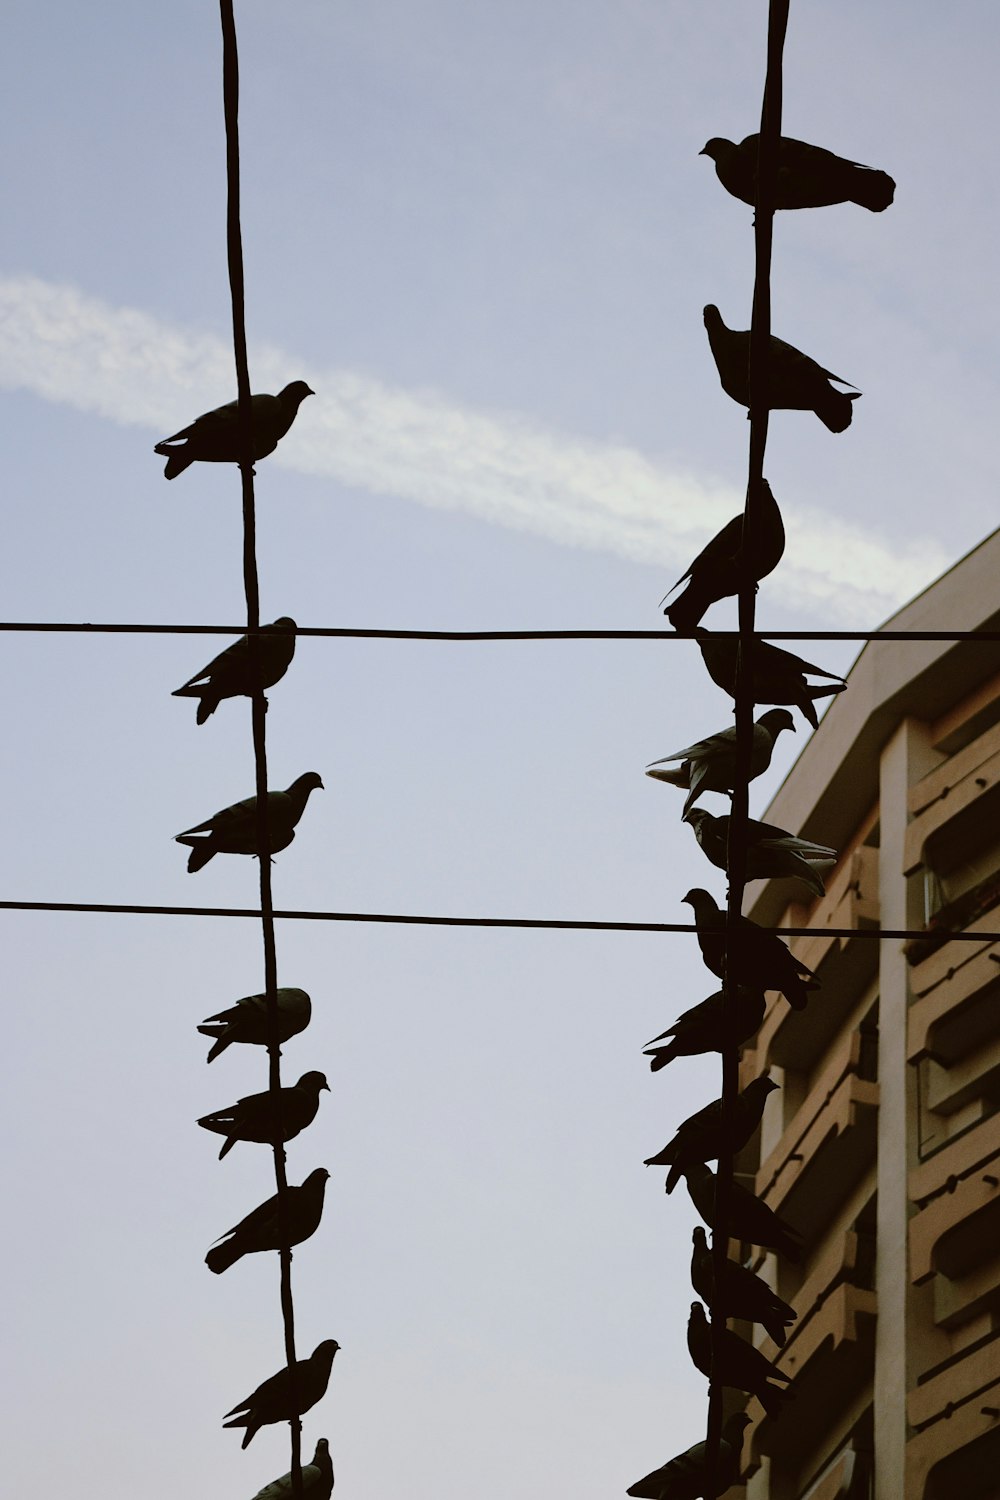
x,y
807,176
750,1218
214,438
710,764
795,381
234,829
260,1229
744,1295
246,1021
722,567
710,1026
317,1479
762,960
740,1364
256,1118
772,852
686,1477
700,1137
231,674
778,676
273,1401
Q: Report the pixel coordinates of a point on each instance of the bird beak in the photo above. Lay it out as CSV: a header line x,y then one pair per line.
x,y
703,152
310,391
327,1087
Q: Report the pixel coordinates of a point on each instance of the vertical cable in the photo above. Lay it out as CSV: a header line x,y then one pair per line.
x,y
234,239
760,336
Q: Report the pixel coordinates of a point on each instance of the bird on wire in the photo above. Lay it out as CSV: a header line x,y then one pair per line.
x,y
246,1021
273,1400
261,1229
701,1136
744,1295
807,176
317,1479
231,674
709,765
772,852
739,1365
722,568
710,1026
750,1218
778,676
259,1117
214,438
686,1477
794,381
761,959
234,829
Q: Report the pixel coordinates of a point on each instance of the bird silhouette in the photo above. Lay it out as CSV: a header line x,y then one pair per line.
x,y
232,673
261,1228
723,566
701,1136
760,958
686,1477
234,829
266,1118
771,852
317,1479
214,437
749,1218
739,1364
289,1393
807,176
709,765
777,676
710,1026
247,1020
744,1295
794,381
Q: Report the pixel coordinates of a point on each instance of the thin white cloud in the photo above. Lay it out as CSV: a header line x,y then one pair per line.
x,y
131,368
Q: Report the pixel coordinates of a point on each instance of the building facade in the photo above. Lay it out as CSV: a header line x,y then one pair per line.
x,y
883,1145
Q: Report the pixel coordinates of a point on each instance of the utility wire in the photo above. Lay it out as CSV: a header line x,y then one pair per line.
x,y
234,245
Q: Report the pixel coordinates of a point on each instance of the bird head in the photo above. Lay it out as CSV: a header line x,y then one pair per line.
x,y
296,392
775,720
311,781
313,1081
695,816
319,1175
696,897
713,317
283,623
326,1350
716,147
699,1239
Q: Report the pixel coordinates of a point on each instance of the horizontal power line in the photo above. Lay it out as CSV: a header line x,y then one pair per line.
x,y
53,627
415,920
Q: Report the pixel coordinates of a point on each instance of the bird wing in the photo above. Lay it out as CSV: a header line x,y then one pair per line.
x,y
217,420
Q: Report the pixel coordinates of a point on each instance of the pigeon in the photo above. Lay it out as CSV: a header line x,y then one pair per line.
x,y
807,176
234,829
740,1364
778,676
720,569
750,1218
214,438
744,1295
231,675
762,960
260,1229
255,1118
686,1477
710,764
700,1136
246,1021
709,1027
794,380
772,852
317,1479
273,1401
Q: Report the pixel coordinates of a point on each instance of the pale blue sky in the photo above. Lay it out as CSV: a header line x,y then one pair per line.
x,y
485,235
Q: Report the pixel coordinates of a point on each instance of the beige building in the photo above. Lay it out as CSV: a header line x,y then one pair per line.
x,y
883,1145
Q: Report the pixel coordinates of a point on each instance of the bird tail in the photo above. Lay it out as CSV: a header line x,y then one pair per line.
x,y
677,776
222,1041
687,609
176,462
659,1057
835,408
775,1323
221,1257
207,703
247,1421
872,189
674,1176
201,852
771,1397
